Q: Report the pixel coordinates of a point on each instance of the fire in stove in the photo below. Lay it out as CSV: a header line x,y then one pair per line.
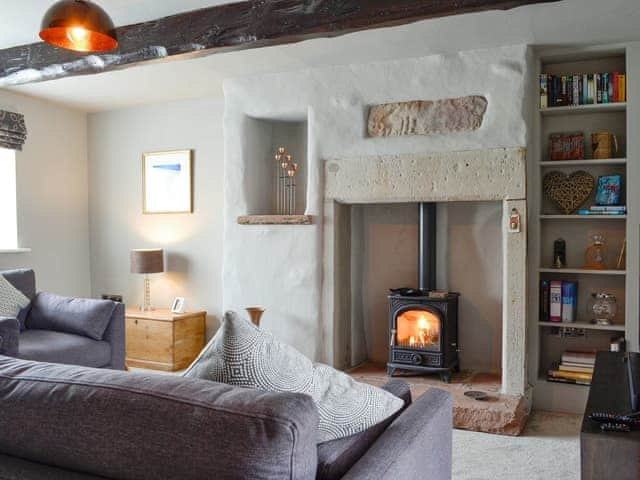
x,y
418,329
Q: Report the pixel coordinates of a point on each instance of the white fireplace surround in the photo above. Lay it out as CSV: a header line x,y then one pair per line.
x,y
475,175
290,269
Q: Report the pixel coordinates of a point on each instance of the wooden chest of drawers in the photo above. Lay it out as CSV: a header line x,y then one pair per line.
x,y
161,340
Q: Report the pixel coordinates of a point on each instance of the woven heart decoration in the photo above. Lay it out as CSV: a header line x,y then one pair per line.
x,y
568,192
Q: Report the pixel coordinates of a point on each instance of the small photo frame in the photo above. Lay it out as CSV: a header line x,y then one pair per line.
x,y
178,305
166,182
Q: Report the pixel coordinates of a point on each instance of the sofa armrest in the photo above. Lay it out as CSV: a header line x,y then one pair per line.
x,y
114,334
9,336
416,445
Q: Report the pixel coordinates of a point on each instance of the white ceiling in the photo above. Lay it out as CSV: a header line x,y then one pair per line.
x,y
567,22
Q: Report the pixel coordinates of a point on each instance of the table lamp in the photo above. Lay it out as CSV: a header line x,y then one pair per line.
x,y
147,261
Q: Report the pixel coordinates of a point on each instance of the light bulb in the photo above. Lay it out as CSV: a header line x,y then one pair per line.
x,y
78,36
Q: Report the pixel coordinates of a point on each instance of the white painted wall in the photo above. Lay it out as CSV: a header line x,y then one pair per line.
x,y
52,196
192,242
281,267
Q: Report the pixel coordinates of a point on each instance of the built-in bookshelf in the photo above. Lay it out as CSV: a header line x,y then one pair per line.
x,y
550,339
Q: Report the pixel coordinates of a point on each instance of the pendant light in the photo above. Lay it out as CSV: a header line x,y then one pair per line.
x,y
78,25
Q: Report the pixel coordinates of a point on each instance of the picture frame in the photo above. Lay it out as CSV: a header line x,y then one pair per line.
x,y
178,305
167,182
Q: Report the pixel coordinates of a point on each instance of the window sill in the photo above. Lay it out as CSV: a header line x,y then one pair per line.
x,y
15,250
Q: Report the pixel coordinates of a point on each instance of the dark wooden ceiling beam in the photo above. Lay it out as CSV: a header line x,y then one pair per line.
x,y
236,26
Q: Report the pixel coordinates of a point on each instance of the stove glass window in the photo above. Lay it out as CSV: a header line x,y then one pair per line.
x,y
418,329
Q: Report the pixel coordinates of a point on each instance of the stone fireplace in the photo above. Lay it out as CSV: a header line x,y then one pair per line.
x,y
477,176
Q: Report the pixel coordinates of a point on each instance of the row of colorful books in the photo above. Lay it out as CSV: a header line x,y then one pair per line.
x,y
604,210
558,301
574,367
586,89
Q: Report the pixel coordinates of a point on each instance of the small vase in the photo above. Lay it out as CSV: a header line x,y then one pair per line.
x,y
255,314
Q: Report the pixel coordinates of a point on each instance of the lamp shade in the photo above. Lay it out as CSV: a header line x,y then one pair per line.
x,y
147,260
78,25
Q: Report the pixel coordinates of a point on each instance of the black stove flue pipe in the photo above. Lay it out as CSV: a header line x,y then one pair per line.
x,y
427,247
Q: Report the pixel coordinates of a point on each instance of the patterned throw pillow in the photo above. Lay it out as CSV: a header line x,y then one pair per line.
x,y
12,300
241,354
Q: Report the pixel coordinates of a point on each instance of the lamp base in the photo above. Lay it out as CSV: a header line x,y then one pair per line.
x,y
146,306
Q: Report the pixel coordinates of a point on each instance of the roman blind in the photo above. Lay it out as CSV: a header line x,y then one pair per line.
x,y
13,131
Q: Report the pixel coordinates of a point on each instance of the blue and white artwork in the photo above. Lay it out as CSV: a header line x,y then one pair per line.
x,y
167,182
609,190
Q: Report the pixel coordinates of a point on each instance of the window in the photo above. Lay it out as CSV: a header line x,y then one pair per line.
x,y
8,207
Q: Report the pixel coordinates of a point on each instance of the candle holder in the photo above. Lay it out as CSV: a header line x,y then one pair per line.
x,y
285,182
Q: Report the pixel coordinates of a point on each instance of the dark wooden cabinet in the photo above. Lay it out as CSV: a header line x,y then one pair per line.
x,y
609,455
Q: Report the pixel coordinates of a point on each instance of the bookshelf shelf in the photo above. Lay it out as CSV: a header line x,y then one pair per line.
x,y
583,163
582,271
584,325
582,217
584,109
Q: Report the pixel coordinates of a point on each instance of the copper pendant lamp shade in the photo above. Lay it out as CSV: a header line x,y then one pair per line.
x,y
78,25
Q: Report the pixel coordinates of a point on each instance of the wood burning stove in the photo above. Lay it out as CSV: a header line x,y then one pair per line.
x,y
423,323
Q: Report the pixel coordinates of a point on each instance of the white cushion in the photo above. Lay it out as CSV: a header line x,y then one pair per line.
x,y
240,354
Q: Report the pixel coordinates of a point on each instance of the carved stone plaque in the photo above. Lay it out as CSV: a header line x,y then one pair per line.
x,y
427,117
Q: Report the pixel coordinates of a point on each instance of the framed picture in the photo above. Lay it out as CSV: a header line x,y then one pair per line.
x,y
178,305
166,182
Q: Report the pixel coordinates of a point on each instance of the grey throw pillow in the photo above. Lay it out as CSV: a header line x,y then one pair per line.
x,y
241,354
12,300
81,316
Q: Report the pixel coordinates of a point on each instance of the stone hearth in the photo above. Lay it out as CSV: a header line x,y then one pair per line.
x,y
500,413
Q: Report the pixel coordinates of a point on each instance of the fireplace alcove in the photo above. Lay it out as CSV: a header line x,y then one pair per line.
x,y
385,254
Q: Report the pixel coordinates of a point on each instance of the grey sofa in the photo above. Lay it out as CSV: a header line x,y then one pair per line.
x,y
68,422
60,346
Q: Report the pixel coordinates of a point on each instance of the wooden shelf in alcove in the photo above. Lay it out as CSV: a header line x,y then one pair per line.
x,y
584,325
275,220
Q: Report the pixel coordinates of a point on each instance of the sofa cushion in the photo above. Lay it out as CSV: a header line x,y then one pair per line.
x,y
25,281
241,354
12,300
148,426
82,316
336,457
58,347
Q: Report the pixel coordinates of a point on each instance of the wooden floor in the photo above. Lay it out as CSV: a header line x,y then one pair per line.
x,y
504,414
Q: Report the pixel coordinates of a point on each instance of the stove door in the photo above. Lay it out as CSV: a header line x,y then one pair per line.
x,y
418,328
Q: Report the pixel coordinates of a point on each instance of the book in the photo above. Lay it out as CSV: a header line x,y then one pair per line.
x,y
616,89
622,88
576,364
568,380
573,368
588,358
605,88
598,87
608,208
544,301
569,301
571,375
590,89
544,92
607,212
555,301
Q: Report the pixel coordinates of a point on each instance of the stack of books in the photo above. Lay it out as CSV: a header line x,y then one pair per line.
x,y
585,89
605,210
558,301
575,367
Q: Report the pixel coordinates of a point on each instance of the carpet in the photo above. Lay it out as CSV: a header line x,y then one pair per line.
x,y
548,449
